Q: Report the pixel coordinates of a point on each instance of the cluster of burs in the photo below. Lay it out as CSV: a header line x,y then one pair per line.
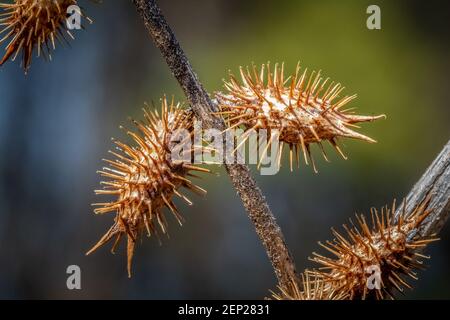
x,y
297,110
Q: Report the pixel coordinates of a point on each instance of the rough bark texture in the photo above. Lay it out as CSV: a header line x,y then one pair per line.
x,y
254,202
435,184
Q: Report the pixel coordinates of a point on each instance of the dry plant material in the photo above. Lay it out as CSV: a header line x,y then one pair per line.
x,y
30,24
384,247
144,178
311,287
299,110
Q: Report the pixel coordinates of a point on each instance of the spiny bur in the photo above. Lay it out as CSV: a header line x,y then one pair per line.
x,y
144,179
299,110
30,24
375,261
311,287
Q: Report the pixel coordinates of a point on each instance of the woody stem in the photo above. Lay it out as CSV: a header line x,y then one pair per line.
x,y
251,195
434,186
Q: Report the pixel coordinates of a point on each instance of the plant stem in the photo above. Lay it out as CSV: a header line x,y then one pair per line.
x,y
254,201
435,185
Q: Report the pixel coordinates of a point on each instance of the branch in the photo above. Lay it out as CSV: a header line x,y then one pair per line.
x,y
254,202
434,187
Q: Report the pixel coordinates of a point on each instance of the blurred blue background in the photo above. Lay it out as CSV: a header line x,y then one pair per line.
x,y
56,124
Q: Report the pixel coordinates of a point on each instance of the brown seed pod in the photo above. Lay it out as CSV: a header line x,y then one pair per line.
x,y
298,111
374,262
144,178
312,287
34,24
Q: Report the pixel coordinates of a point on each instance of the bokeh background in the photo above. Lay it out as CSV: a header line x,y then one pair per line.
x,y
56,124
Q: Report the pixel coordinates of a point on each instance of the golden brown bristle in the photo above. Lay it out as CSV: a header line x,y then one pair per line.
x,y
144,179
30,24
311,287
303,109
384,247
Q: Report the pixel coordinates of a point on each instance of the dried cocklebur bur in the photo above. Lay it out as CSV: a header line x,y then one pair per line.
x,y
381,253
299,110
144,178
310,287
35,24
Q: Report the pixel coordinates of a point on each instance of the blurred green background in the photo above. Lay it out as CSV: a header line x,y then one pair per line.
x,y
56,124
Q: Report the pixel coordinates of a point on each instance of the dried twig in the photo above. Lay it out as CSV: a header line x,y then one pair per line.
x,y
254,202
435,184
